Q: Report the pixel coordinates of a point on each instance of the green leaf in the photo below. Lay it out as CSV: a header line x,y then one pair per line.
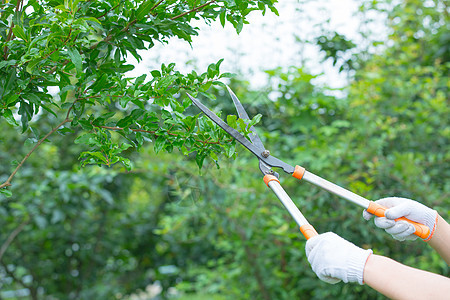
x,y
96,154
99,83
274,10
138,103
7,193
205,87
213,156
255,120
10,82
64,131
156,73
218,63
242,125
117,61
232,121
212,70
34,98
222,17
11,100
230,150
8,115
227,75
75,57
189,122
144,9
159,143
18,31
48,109
140,80
85,124
6,63
62,8
124,101
92,19
199,159
87,138
164,82
125,146
126,162
26,113
239,25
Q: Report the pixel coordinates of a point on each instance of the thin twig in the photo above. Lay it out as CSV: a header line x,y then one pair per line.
x,y
193,10
109,11
53,69
12,236
156,5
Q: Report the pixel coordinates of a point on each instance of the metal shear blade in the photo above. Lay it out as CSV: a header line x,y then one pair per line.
x,y
255,146
243,115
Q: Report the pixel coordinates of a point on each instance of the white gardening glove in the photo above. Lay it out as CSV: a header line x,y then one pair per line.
x,y
334,259
402,207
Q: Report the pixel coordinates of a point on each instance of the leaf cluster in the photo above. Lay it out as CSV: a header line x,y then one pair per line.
x,y
70,58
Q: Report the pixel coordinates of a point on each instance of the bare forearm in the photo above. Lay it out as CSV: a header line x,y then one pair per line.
x,y
441,239
398,281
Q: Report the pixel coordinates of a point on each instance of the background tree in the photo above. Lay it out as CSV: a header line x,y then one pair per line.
x,y
106,232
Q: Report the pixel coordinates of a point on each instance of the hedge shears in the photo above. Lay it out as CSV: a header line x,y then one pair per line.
x,y
271,178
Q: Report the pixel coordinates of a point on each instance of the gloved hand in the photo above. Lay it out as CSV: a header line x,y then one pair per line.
x,y
402,207
334,259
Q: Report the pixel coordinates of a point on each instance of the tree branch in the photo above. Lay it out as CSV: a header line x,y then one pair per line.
x,y
108,11
8,181
156,5
12,236
193,10
10,33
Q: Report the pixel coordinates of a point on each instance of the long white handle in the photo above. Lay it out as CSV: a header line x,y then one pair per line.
x,y
306,229
288,203
335,189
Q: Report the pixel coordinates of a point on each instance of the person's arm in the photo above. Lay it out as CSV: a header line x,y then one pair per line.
x,y
439,237
440,241
334,259
398,281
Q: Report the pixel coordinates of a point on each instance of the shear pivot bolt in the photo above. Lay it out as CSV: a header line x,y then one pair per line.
x,y
265,153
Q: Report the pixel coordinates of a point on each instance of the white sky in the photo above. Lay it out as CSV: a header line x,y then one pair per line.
x,y
266,43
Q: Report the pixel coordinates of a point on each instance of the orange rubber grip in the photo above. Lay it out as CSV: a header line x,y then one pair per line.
x,y
268,178
378,210
298,172
308,231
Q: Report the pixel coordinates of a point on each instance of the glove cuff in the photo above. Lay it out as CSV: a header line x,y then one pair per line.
x,y
430,218
356,265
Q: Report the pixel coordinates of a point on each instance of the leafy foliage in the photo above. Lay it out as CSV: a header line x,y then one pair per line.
x,y
79,49
335,45
107,232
